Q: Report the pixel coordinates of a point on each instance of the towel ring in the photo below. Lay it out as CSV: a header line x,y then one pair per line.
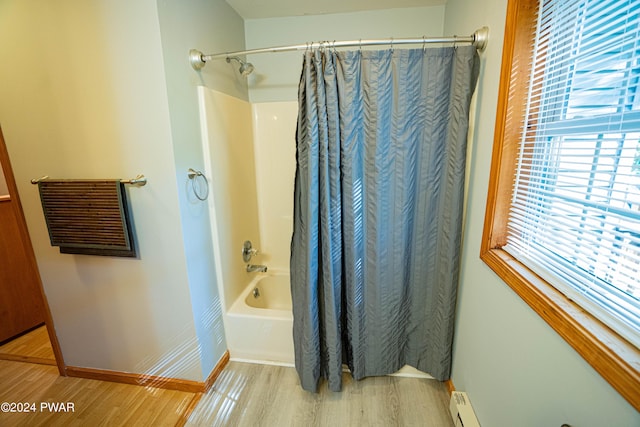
x,y
193,176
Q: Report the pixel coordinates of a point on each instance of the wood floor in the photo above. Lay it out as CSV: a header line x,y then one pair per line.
x,y
33,347
28,375
244,395
94,403
261,395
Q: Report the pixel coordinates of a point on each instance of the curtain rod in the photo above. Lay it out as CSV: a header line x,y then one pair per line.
x,y
478,39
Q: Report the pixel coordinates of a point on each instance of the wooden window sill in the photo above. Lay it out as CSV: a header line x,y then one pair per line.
x,y
617,360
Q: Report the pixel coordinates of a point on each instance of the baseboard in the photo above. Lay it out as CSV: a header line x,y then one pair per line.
x,y
150,380
449,385
27,359
136,379
211,379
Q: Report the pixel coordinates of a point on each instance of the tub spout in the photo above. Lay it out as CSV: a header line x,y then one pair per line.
x,y
251,268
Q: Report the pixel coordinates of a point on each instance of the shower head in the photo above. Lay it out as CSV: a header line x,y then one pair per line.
x,y
245,69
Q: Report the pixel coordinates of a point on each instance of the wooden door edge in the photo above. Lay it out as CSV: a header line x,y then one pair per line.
x,y
13,191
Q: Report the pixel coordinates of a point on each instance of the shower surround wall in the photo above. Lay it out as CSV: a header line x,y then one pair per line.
x,y
229,163
274,126
250,151
249,155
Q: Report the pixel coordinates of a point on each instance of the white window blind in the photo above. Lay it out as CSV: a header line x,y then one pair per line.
x,y
575,213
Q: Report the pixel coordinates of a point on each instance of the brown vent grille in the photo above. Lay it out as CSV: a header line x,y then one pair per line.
x,y
87,216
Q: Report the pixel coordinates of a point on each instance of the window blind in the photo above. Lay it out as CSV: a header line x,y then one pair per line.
x,y
575,210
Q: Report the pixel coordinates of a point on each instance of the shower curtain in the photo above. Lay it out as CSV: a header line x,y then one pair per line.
x,y
381,146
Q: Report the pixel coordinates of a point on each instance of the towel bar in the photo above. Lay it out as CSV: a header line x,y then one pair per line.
x,y
138,181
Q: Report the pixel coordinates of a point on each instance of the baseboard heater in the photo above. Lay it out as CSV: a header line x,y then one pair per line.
x,y
461,410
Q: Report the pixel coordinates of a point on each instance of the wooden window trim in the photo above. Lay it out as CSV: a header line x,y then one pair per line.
x,y
613,357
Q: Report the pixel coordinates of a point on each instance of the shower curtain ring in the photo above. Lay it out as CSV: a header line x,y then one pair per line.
x,y
391,44
424,43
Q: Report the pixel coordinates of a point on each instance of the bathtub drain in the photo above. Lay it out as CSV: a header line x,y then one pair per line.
x,y
256,292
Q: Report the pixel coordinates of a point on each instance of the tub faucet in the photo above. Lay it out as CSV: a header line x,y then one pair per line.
x,y
251,268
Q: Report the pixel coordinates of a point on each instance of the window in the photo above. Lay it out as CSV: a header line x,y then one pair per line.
x,y
563,214
575,212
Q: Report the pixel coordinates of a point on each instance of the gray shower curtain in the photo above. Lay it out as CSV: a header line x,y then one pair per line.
x,y
381,145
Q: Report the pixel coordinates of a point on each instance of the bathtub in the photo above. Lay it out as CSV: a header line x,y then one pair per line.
x,y
260,326
259,323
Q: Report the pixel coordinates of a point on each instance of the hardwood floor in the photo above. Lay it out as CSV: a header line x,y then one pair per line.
x,y
88,402
261,395
244,395
33,347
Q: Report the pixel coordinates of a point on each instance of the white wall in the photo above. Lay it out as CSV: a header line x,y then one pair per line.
x,y
83,95
516,369
209,26
99,89
276,76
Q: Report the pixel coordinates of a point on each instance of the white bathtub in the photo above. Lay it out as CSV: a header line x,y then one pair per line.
x,y
260,329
